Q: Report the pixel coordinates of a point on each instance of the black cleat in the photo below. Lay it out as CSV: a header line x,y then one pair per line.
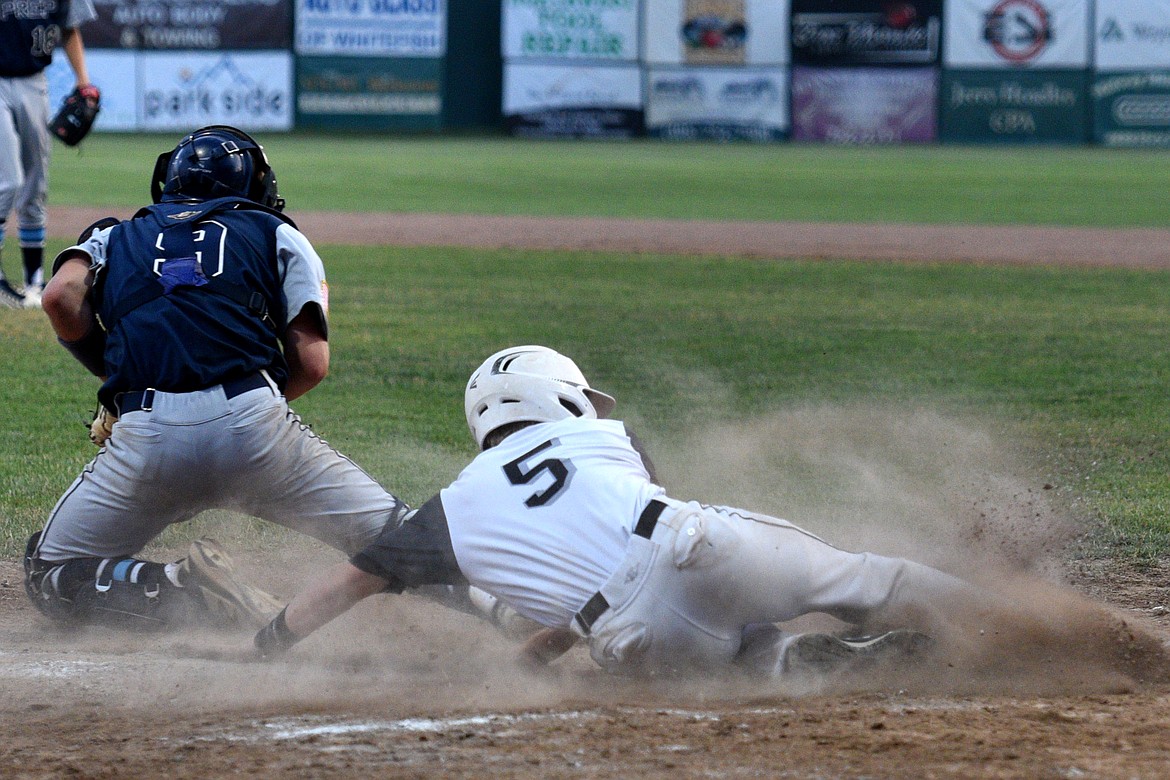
x,y
824,654
10,298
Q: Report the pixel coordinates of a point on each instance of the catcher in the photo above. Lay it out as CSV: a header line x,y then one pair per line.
x,y
29,35
203,315
560,518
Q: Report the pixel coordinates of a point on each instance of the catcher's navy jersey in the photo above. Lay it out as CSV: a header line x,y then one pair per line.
x,y
31,29
197,294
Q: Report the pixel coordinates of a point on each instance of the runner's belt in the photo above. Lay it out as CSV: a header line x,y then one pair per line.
x,y
596,606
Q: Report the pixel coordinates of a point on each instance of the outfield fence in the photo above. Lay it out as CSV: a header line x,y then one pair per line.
x,y
820,71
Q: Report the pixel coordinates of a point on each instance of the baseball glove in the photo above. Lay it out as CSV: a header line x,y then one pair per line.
x,y
102,426
76,115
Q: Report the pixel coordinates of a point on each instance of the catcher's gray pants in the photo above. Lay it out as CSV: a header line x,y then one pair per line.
x,y
682,599
24,149
201,450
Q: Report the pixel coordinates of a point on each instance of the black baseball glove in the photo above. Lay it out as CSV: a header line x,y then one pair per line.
x,y
76,115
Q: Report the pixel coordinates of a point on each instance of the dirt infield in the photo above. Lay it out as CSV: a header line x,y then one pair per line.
x,y
1132,248
1071,681
400,688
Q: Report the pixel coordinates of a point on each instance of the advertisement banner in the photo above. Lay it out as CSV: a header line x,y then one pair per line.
x,y
190,24
116,75
372,28
1017,33
863,32
991,106
1132,35
573,101
249,90
570,29
369,94
716,32
1132,109
864,105
722,104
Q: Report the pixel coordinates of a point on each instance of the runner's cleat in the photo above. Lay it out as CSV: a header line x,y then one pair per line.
x,y
823,654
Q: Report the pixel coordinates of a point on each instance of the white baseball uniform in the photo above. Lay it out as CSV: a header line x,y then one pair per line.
x,y
562,522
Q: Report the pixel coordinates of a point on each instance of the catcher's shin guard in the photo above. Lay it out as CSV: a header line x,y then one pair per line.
x,y
121,593
129,593
42,594
133,594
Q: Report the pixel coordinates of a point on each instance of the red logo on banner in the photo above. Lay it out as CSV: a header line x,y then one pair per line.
x,y
1018,30
900,15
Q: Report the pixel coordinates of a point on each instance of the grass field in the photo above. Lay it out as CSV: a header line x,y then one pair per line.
x,y
935,184
1071,367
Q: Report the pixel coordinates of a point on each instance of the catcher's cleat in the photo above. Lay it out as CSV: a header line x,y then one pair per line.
x,y
208,571
10,298
823,654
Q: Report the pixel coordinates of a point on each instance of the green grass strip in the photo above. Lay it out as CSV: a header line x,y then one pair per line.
x,y
1073,363
490,175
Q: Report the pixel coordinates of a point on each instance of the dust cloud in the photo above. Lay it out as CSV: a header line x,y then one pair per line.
x,y
906,482
912,483
957,495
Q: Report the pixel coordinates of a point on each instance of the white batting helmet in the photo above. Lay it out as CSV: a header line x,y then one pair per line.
x,y
529,384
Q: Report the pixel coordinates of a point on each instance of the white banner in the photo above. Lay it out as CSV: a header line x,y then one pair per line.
x,y
185,91
1133,35
530,88
716,32
114,72
733,103
1016,33
570,29
372,28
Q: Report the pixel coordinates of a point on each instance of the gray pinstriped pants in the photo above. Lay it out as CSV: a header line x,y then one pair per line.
x,y
201,450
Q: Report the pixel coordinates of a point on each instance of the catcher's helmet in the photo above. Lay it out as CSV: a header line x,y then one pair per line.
x,y
529,384
216,162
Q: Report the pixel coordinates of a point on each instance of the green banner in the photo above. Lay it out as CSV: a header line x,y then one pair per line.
x,y
1017,106
1132,109
369,93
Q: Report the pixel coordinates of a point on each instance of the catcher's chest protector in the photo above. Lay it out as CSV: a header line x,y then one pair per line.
x,y
189,294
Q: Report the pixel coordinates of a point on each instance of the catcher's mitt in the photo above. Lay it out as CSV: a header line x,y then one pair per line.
x,y
76,115
102,426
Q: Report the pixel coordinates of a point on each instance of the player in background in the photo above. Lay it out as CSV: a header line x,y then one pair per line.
x,y
30,32
560,518
203,315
